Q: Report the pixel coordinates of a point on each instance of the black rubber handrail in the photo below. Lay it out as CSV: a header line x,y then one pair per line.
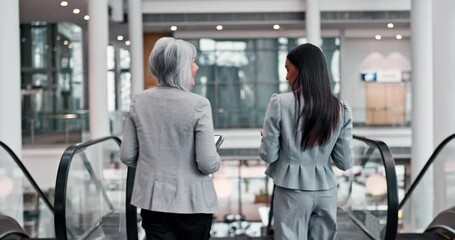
x,y
28,176
62,181
392,193
131,211
424,169
392,186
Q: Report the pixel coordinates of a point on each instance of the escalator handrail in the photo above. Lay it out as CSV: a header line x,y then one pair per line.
x,y
430,161
62,181
27,175
130,210
392,186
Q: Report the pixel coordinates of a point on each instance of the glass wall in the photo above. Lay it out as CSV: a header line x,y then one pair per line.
x,y
239,76
118,86
51,81
54,83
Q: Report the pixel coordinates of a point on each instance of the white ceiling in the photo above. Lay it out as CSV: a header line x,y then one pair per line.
x,y
51,11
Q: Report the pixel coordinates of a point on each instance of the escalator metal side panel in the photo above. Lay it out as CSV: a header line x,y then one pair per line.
x,y
444,220
10,227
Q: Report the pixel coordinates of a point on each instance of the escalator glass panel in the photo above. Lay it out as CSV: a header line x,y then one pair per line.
x,y
20,199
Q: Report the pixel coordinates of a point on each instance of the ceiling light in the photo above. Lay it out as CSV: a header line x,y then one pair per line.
x,y
70,46
378,37
399,37
390,25
65,42
86,17
173,28
127,42
276,26
76,11
219,27
64,3
58,38
120,37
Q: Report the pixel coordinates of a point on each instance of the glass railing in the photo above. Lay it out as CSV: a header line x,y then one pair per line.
x,y
69,127
432,191
22,199
44,128
90,192
394,117
368,193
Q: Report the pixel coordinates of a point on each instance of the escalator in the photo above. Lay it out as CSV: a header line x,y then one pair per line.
x,y
90,191
89,196
426,217
25,210
93,191
367,193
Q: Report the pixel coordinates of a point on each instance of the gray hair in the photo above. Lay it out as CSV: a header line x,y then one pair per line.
x,y
170,62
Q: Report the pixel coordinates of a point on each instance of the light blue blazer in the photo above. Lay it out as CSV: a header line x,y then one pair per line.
x,y
290,167
168,138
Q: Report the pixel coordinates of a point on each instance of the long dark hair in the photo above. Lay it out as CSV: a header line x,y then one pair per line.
x,y
320,113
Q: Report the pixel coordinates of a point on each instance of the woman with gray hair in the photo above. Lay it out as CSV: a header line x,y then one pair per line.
x,y
168,138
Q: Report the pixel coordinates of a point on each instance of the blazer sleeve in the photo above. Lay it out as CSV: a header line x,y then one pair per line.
x,y
270,144
342,154
129,149
207,159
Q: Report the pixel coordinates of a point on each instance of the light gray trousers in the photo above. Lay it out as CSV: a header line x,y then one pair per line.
x,y
302,215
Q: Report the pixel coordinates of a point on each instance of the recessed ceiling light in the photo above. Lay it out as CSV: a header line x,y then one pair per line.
x,y
86,17
276,27
65,42
120,37
127,42
173,28
390,25
64,3
378,37
70,46
58,38
398,36
76,11
219,27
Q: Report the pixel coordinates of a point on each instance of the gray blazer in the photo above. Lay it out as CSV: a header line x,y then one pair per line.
x,y
305,170
168,137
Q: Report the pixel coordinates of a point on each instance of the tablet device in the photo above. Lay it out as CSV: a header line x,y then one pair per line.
x,y
218,141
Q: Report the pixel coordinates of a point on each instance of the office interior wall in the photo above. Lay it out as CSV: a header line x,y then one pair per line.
x,y
149,41
358,54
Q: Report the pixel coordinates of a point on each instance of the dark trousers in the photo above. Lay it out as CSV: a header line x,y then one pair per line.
x,y
174,226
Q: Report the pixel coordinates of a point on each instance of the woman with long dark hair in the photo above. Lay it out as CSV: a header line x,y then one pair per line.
x,y
304,131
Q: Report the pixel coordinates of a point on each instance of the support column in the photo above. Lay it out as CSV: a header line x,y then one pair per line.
x,y
10,76
136,48
422,107
98,30
10,107
443,89
313,22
